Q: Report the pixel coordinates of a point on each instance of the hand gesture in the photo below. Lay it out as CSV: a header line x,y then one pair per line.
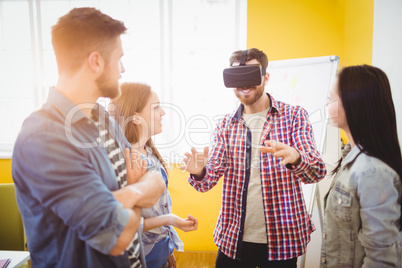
x,y
289,155
195,162
186,225
136,167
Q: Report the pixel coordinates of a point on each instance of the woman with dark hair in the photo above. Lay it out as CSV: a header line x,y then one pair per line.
x,y
363,206
138,112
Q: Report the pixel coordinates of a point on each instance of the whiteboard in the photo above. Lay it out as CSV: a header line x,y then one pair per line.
x,y
305,82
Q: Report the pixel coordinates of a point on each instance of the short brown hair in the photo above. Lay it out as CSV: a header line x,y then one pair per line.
x,y
252,53
82,31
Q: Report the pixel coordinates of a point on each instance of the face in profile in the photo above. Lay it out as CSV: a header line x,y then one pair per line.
x,y
248,96
335,109
151,117
108,81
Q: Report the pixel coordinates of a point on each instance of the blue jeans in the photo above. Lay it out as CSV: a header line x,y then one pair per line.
x,y
159,254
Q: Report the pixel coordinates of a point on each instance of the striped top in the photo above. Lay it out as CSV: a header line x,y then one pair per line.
x,y
116,157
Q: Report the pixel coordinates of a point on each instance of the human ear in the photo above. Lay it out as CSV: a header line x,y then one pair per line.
x,y
266,78
95,62
136,119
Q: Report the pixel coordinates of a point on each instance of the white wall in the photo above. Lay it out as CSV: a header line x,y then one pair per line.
x,y
387,49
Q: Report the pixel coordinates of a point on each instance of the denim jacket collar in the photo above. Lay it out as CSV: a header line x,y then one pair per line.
x,y
349,154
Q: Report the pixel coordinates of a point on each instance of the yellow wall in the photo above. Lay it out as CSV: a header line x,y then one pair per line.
x,y
283,30
299,29
204,206
289,29
5,171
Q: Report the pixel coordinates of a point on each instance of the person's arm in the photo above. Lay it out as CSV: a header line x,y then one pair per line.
x,y
146,185
144,193
76,196
195,162
301,157
379,193
127,235
287,154
208,166
186,225
144,189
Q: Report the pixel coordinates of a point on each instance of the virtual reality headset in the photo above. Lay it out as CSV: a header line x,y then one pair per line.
x,y
243,75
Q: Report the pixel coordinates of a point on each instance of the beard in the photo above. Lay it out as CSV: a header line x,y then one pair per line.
x,y
107,88
251,98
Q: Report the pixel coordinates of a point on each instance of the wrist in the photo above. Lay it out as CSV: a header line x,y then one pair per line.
x,y
170,220
295,163
199,176
135,195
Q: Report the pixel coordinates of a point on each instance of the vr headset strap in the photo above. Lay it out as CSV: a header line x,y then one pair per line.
x,y
243,58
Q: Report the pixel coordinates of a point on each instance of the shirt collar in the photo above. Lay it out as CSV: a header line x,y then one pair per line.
x,y
350,154
67,108
273,104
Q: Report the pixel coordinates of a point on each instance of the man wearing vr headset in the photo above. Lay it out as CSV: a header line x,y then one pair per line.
x,y
264,150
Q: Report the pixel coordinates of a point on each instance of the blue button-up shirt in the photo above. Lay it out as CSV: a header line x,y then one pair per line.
x,y
63,180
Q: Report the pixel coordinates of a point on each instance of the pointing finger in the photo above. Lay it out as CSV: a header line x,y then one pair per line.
x,y
206,149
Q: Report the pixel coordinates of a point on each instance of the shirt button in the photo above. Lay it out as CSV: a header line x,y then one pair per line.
x,y
165,206
98,140
89,122
339,201
323,260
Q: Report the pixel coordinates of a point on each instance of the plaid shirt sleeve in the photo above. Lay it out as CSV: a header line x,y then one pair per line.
x,y
311,168
216,166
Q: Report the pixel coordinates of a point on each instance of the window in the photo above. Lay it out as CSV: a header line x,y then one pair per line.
x,y
178,47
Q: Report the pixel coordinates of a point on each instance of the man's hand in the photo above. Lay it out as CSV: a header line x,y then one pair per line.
x,y
289,155
136,167
195,162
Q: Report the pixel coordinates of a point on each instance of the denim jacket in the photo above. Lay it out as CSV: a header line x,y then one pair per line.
x,y
362,210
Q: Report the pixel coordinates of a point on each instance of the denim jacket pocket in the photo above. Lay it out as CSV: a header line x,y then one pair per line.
x,y
342,204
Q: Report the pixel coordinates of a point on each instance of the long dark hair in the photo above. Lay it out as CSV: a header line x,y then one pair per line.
x,y
133,98
366,97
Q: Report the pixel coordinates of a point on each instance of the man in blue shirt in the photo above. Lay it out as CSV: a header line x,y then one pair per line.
x,y
68,162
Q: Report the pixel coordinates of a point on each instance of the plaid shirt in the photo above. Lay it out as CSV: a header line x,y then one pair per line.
x,y
288,224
